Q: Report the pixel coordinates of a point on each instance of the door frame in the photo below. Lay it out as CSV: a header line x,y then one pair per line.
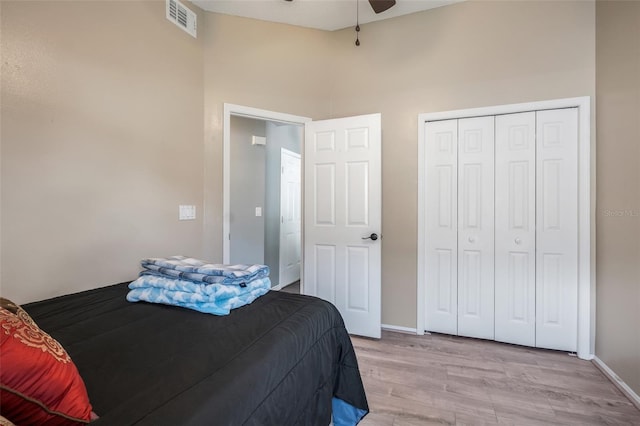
x,y
258,114
283,152
586,203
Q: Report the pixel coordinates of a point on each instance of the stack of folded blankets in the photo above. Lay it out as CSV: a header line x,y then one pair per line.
x,y
194,284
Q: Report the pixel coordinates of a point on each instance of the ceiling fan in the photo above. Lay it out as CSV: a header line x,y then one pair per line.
x,y
378,6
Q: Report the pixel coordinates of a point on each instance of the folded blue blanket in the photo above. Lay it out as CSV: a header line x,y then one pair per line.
x,y
159,271
188,268
217,299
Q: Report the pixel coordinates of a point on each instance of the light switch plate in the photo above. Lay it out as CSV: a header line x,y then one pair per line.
x,y
258,140
187,212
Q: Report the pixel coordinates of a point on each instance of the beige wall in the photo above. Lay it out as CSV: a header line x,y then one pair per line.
x,y
108,104
109,120
264,65
102,106
467,55
618,206
471,54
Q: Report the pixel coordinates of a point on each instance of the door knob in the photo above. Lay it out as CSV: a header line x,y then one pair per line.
x,y
472,239
518,240
372,237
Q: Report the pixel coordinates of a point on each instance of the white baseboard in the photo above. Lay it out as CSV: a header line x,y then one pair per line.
x,y
617,381
276,287
399,329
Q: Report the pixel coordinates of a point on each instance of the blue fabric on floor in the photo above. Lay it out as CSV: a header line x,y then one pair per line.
x,y
345,414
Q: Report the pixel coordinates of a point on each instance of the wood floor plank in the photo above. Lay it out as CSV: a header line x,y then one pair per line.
x,y
437,379
378,419
427,413
472,420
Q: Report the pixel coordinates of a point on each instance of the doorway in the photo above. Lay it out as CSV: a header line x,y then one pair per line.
x,y
342,195
253,219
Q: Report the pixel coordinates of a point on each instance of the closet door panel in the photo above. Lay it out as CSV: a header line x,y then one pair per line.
x,y
515,275
441,262
557,229
476,227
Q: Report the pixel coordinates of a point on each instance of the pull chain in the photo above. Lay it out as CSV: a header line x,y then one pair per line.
x,y
357,22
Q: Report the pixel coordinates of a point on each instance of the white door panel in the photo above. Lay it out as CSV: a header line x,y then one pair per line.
x,y
441,220
342,208
290,216
321,281
515,316
357,282
475,227
324,195
557,229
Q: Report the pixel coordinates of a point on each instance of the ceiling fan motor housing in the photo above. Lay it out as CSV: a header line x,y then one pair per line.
x,y
378,6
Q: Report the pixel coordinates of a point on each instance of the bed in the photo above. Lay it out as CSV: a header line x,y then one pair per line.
x,y
285,359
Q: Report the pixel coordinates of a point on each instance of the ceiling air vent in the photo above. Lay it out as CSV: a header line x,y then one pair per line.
x,y
182,17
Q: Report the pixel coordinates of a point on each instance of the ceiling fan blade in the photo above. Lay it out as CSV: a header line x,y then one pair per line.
x,y
379,6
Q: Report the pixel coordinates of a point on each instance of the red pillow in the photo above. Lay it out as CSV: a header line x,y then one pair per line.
x,y
39,384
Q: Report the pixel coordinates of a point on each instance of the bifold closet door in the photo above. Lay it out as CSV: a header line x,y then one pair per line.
x,y
459,227
441,226
557,229
475,227
515,229
501,234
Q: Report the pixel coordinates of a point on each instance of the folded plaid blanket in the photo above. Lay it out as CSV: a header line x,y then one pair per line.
x,y
188,268
217,299
159,271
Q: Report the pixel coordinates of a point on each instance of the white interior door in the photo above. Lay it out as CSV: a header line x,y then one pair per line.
x,y
476,227
557,229
515,227
343,218
441,226
290,216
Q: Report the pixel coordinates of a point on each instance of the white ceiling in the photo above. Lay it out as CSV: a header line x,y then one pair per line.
x,y
321,14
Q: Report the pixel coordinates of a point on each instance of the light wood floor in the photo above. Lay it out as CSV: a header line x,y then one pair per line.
x,y
437,379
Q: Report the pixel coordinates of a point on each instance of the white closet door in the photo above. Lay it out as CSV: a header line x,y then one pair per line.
x,y
557,229
515,236
476,227
441,263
